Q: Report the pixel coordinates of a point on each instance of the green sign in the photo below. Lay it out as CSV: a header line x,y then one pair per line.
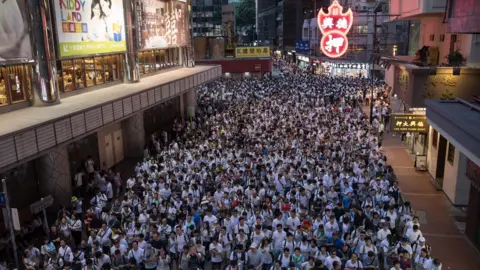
x,y
85,48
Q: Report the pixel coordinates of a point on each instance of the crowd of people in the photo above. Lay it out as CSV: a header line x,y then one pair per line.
x,y
272,173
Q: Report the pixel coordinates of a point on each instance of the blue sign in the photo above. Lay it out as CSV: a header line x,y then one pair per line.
x,y
2,198
302,46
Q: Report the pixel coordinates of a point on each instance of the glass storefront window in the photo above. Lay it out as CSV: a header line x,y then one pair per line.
x,y
28,81
3,87
68,76
90,72
141,57
79,68
116,66
16,76
99,72
149,61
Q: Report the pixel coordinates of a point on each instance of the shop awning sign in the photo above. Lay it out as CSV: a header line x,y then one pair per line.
x,y
407,122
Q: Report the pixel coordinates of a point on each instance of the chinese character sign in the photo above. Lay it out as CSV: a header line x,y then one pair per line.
x,y
252,52
334,26
409,123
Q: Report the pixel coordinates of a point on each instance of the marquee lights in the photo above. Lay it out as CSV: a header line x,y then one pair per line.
x,y
334,27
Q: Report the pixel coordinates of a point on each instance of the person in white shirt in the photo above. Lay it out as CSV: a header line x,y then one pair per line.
x,y
216,251
413,234
354,262
332,258
210,218
278,237
423,260
137,253
64,252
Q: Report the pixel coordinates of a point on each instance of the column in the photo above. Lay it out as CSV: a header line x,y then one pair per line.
x,y
190,103
53,174
45,74
132,73
134,136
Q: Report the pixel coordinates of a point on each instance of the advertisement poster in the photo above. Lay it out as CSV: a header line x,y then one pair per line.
x,y
14,37
162,24
252,52
89,26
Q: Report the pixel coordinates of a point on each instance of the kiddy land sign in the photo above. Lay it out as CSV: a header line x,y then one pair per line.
x,y
334,27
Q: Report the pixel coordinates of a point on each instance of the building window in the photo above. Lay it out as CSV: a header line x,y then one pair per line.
x,y
451,153
85,72
150,61
434,138
394,50
360,29
305,32
15,84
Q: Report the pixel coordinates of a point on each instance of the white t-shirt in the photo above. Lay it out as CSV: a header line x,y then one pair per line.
x,y
216,257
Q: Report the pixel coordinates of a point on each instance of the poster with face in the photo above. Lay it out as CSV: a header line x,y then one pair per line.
x,y
89,26
14,37
162,24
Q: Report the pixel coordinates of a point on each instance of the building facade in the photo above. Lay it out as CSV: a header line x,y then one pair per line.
x,y
207,17
87,84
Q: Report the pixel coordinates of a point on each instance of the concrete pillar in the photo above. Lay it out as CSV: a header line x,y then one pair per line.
x,y
45,72
53,174
190,101
134,136
132,74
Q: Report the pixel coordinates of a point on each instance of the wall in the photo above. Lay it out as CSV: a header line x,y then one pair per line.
x,y
463,183
456,185
465,17
450,177
409,8
432,153
102,148
390,76
239,65
445,86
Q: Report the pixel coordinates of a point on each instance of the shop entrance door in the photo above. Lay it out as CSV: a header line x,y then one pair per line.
x,y
118,145
109,157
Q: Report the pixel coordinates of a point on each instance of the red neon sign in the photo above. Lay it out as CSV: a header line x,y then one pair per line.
x,y
334,26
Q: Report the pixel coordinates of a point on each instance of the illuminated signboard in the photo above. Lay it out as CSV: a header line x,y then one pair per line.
x,y
334,27
404,122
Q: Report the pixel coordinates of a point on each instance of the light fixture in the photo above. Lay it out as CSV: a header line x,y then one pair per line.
x,y
456,71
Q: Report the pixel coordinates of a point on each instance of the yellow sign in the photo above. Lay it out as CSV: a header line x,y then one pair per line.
x,y
252,52
409,123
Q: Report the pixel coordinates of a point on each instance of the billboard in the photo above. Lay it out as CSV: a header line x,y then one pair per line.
x,y
404,122
161,24
14,35
89,26
252,52
302,46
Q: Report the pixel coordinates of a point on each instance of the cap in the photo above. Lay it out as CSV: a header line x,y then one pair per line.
x,y
253,245
421,240
74,199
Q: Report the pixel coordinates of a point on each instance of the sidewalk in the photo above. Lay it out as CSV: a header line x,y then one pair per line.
x,y
433,208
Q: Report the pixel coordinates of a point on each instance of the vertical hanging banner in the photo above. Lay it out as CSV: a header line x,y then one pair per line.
x,y
334,26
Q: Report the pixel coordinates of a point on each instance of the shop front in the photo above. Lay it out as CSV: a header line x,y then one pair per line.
x,y
413,128
16,58
303,62
349,69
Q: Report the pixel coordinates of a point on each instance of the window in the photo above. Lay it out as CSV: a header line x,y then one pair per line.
x,y
67,83
360,29
16,76
434,138
3,87
79,68
90,72
99,72
451,153
15,84
305,32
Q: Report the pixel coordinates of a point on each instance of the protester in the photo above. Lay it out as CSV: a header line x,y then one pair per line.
x,y
282,173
